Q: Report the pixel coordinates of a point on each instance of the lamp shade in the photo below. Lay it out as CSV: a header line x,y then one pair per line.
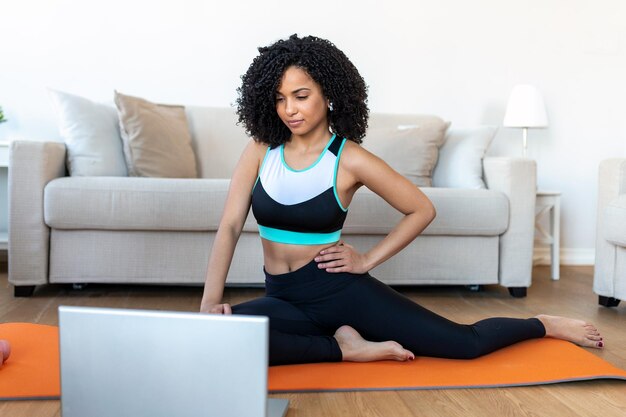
x,y
525,108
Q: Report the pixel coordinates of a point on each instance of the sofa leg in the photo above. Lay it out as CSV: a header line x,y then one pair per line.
x,y
518,292
608,301
474,288
23,290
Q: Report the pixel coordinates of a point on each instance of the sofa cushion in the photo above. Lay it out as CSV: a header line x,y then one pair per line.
x,y
156,138
215,128
197,204
110,203
615,221
460,212
218,128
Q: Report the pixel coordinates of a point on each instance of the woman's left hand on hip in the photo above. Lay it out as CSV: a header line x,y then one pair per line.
x,y
341,257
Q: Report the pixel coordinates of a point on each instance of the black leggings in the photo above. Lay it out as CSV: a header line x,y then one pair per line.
x,y
308,305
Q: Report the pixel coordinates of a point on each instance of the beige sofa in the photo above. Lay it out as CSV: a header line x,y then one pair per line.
x,y
159,231
610,267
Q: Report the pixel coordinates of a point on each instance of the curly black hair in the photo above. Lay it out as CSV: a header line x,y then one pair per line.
x,y
338,78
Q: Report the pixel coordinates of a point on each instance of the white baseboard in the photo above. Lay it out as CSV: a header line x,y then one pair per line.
x,y
584,256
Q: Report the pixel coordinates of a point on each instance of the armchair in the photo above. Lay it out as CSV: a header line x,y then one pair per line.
x,y
610,267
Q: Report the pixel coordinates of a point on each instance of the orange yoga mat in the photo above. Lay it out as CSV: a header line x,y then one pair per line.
x,y
533,362
32,371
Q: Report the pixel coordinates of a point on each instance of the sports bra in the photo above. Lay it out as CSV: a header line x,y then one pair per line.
x,y
299,207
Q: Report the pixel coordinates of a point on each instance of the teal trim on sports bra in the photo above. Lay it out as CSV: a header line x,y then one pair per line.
x,y
261,167
298,238
335,177
282,156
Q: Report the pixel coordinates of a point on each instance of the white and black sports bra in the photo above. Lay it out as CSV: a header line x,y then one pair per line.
x,y
299,207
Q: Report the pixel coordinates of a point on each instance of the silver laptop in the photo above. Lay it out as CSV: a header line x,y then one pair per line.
x,y
118,362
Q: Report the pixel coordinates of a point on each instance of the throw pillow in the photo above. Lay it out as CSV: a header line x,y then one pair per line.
x,y
410,150
91,134
156,139
461,157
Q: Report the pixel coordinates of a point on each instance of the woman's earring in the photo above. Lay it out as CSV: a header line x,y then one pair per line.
x,y
330,106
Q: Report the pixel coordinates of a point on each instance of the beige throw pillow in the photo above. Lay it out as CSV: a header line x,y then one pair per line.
x,y
410,150
156,139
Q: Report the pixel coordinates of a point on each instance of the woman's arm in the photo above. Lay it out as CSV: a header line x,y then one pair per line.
x,y
364,168
232,221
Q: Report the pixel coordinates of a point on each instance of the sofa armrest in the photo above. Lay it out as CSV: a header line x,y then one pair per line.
x,y
611,181
31,166
517,178
611,184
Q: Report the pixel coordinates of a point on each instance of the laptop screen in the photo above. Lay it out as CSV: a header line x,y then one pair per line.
x,y
117,362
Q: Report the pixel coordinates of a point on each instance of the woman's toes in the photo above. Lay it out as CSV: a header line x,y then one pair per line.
x,y
598,344
407,355
398,352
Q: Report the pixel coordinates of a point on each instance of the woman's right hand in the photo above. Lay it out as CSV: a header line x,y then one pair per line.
x,y
216,309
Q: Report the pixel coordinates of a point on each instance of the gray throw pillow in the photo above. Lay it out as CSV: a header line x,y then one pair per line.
x,y
460,162
91,134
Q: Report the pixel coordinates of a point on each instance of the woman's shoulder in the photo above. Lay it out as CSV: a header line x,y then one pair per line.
x,y
354,153
253,153
256,147
360,162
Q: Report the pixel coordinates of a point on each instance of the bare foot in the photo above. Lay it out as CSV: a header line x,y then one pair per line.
x,y
577,331
356,349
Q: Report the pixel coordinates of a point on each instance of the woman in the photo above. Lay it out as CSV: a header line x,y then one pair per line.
x,y
299,100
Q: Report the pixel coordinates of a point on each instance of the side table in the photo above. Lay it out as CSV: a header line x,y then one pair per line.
x,y
549,203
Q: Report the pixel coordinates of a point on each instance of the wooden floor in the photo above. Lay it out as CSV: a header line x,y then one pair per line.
x,y
571,296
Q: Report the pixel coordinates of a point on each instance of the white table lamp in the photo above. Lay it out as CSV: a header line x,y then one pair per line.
x,y
525,109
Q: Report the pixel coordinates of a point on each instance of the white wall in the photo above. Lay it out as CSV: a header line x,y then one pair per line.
x,y
455,58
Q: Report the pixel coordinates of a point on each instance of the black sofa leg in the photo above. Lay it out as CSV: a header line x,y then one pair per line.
x,y
518,292
608,301
24,290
